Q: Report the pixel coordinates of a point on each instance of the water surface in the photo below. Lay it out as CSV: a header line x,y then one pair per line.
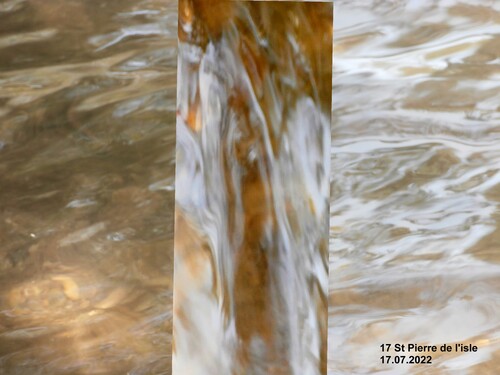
x,y
415,220
87,119
87,108
252,188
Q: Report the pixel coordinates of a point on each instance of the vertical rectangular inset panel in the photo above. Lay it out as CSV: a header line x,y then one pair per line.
x,y
252,187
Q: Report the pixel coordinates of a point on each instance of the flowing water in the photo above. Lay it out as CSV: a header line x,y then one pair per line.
x,y
415,220
252,188
87,134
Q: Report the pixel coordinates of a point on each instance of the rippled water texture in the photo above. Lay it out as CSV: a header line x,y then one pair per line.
x,y
415,224
252,188
87,123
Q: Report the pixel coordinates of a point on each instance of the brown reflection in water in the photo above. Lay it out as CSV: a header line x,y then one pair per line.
x,y
86,186
488,247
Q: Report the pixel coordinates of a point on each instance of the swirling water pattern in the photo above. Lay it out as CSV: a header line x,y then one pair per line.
x,y
415,223
252,188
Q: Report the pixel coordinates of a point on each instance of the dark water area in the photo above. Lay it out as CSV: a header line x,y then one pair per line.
x,y
87,141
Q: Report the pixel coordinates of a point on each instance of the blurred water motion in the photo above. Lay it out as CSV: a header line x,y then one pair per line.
x,y
252,188
87,114
415,222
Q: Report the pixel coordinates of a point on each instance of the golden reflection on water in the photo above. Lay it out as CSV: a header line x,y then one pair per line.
x,y
87,109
